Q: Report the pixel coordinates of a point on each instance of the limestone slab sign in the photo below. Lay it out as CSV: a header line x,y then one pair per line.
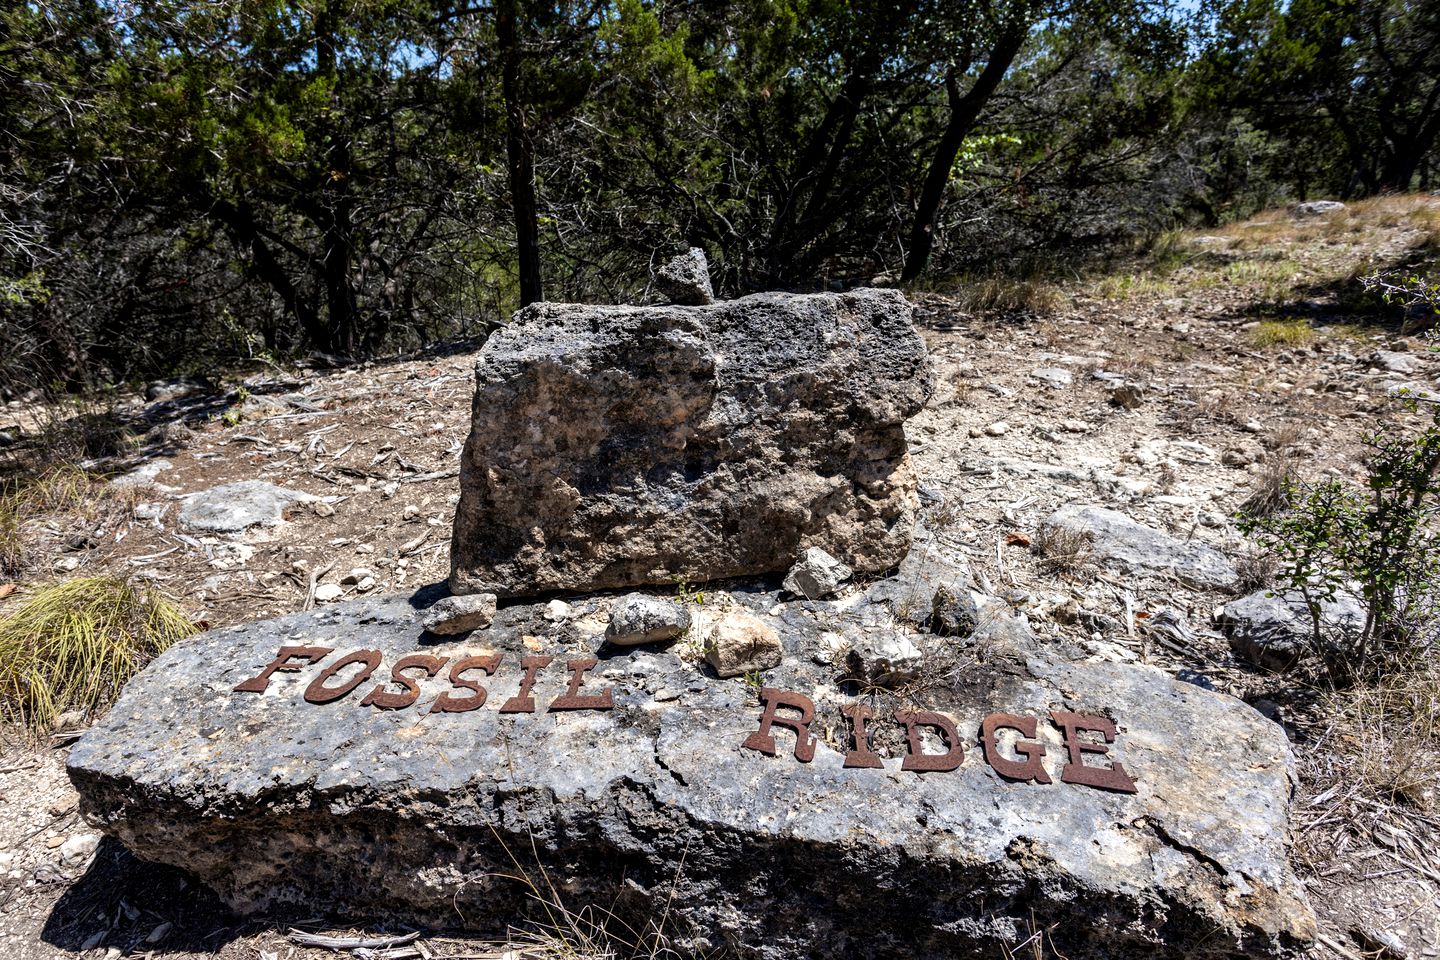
x,y
343,761
620,446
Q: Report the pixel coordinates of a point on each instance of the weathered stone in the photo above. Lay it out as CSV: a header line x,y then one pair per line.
x,y
933,576
1393,361
1274,630
654,808
1318,208
816,575
627,446
738,643
686,279
452,615
637,619
1137,549
232,507
953,611
884,658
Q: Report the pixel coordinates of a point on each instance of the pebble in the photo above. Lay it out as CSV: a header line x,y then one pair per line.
x,y
389,490
411,511
998,429
328,593
357,575
79,847
322,509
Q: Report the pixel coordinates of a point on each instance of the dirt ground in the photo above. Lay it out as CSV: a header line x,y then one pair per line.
x,y
1246,358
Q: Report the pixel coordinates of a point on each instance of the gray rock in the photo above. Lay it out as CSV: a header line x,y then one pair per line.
x,y
738,643
954,611
816,575
232,507
686,279
654,808
145,474
451,615
933,577
1318,208
79,847
1274,631
1054,376
884,658
1137,549
628,446
1394,362
160,391
638,618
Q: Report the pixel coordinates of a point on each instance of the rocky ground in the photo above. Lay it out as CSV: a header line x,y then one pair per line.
x,y
1170,388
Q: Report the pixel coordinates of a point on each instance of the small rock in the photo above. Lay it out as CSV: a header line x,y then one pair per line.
x,y
459,614
637,618
356,575
954,612
411,511
64,805
1274,631
159,391
816,575
366,584
886,659
79,847
52,842
1075,426
67,565
1128,396
159,933
739,643
998,429
389,490
557,610
686,279
232,507
1053,376
322,509
328,593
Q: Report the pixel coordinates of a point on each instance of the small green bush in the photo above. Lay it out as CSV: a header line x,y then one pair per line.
x,y
72,646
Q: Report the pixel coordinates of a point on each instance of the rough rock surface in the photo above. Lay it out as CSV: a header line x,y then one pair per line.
x,y
1137,549
232,507
816,575
1274,630
655,809
884,658
637,619
689,442
452,615
686,279
1318,208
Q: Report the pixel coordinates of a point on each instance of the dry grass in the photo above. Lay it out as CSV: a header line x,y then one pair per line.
x,y
73,645
64,495
1282,333
1063,551
1274,485
1007,296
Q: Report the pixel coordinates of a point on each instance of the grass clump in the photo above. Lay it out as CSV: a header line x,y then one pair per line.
x,y
1062,550
1283,333
72,646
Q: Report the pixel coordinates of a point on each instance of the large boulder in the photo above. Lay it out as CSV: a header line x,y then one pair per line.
x,y
643,786
1275,630
622,446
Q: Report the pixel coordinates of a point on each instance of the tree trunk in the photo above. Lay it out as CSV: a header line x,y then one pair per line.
x,y
964,112
519,156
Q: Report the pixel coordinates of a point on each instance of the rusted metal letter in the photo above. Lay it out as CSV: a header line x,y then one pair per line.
x,y
571,699
917,759
861,755
773,699
1031,769
379,697
445,703
522,702
259,682
317,692
1112,777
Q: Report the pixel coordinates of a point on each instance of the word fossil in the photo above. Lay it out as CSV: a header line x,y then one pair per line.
x,y
321,690
1030,769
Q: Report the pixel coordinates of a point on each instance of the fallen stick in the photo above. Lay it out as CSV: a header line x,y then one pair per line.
x,y
350,943
315,579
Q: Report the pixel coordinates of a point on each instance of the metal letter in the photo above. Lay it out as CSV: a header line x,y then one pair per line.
x,y
1112,777
522,702
571,699
398,701
445,703
258,683
917,759
317,692
1027,770
772,699
862,755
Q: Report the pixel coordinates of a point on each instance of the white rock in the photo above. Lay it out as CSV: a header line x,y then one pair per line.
x,y
740,643
816,575
328,593
79,847
998,429
460,614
